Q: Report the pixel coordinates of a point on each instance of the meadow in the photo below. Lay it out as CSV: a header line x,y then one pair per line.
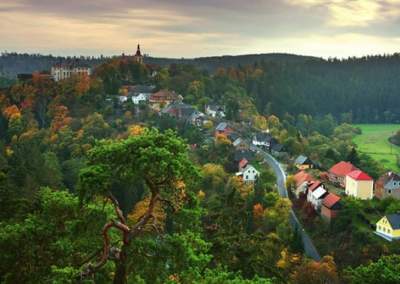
x,y
374,142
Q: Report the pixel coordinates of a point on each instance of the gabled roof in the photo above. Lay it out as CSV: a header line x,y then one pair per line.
x,y
319,192
215,108
394,220
261,136
301,177
314,185
301,160
233,136
359,175
222,126
342,168
330,200
248,167
387,178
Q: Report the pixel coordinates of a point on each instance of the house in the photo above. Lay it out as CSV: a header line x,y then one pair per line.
x,y
262,139
302,180
249,174
388,185
237,141
389,227
65,71
337,173
223,129
137,93
215,111
122,99
330,206
302,177
163,98
184,112
307,186
303,163
316,196
359,185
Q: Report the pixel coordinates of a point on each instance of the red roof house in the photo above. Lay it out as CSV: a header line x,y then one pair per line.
x,y
302,177
359,185
359,175
330,206
337,174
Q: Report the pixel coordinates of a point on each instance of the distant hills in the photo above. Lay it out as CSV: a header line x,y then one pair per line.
x,y
12,64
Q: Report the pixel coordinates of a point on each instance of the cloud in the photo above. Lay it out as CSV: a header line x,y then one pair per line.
x,y
188,28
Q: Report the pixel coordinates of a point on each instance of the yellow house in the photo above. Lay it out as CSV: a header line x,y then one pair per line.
x,y
389,227
359,185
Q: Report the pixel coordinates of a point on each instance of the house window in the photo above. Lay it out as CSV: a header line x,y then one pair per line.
x,y
390,191
247,177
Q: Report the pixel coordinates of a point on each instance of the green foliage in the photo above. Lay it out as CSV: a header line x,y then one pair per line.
x,y
385,270
52,241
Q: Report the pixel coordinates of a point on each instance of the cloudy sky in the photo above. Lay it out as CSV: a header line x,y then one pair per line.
x,y
192,28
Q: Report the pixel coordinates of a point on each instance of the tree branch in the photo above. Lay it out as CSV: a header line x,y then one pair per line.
x,y
118,211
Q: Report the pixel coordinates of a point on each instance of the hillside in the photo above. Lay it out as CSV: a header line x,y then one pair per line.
x,y
12,63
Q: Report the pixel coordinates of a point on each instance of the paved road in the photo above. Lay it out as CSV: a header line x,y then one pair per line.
x,y
308,245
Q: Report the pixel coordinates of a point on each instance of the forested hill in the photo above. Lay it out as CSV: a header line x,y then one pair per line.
x,y
13,63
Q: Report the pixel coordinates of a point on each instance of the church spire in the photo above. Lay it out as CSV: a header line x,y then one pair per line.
x,y
138,53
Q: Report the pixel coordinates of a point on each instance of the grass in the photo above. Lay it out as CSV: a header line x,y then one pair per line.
x,y
374,142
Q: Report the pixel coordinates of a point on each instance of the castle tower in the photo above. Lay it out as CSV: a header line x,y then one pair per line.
x,y
138,57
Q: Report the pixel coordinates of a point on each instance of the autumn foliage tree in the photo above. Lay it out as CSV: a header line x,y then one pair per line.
x,y
160,160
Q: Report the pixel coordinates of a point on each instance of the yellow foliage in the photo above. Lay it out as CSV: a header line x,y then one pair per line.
x,y
136,130
12,112
9,151
260,122
141,208
201,195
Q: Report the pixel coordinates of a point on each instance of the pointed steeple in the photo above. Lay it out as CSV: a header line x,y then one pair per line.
x,y
138,53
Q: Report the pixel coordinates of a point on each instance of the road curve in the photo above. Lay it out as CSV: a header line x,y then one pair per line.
x,y
308,245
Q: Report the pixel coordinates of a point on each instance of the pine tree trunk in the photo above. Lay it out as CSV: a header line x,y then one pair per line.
x,y
120,276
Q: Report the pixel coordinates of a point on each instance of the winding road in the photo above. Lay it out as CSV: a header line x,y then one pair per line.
x,y
308,245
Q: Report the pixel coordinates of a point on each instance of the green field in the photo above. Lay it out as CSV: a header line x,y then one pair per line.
x,y
374,141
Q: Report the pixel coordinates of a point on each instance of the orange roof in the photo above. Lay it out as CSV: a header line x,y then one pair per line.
x,y
301,177
342,168
359,175
243,162
330,200
314,185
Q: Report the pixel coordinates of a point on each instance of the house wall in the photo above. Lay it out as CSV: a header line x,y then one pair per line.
x,y
383,227
363,189
303,167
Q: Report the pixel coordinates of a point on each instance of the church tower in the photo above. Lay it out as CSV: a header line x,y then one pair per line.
x,y
138,56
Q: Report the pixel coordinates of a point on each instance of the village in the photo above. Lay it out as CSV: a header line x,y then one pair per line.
x,y
308,186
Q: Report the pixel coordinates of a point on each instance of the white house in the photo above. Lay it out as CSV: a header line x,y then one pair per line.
x,y
262,139
122,99
317,196
249,174
140,98
215,111
62,72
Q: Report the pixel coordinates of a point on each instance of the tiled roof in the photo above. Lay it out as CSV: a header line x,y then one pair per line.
x,y
342,168
301,177
243,162
359,175
330,200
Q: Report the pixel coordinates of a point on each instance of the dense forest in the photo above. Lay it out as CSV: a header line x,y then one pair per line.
x,y
352,90
95,191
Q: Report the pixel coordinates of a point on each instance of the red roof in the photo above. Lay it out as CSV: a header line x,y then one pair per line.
x,y
359,175
330,200
342,168
243,162
301,177
314,185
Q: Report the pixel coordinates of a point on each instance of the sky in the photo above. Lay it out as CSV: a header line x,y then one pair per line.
x,y
196,28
